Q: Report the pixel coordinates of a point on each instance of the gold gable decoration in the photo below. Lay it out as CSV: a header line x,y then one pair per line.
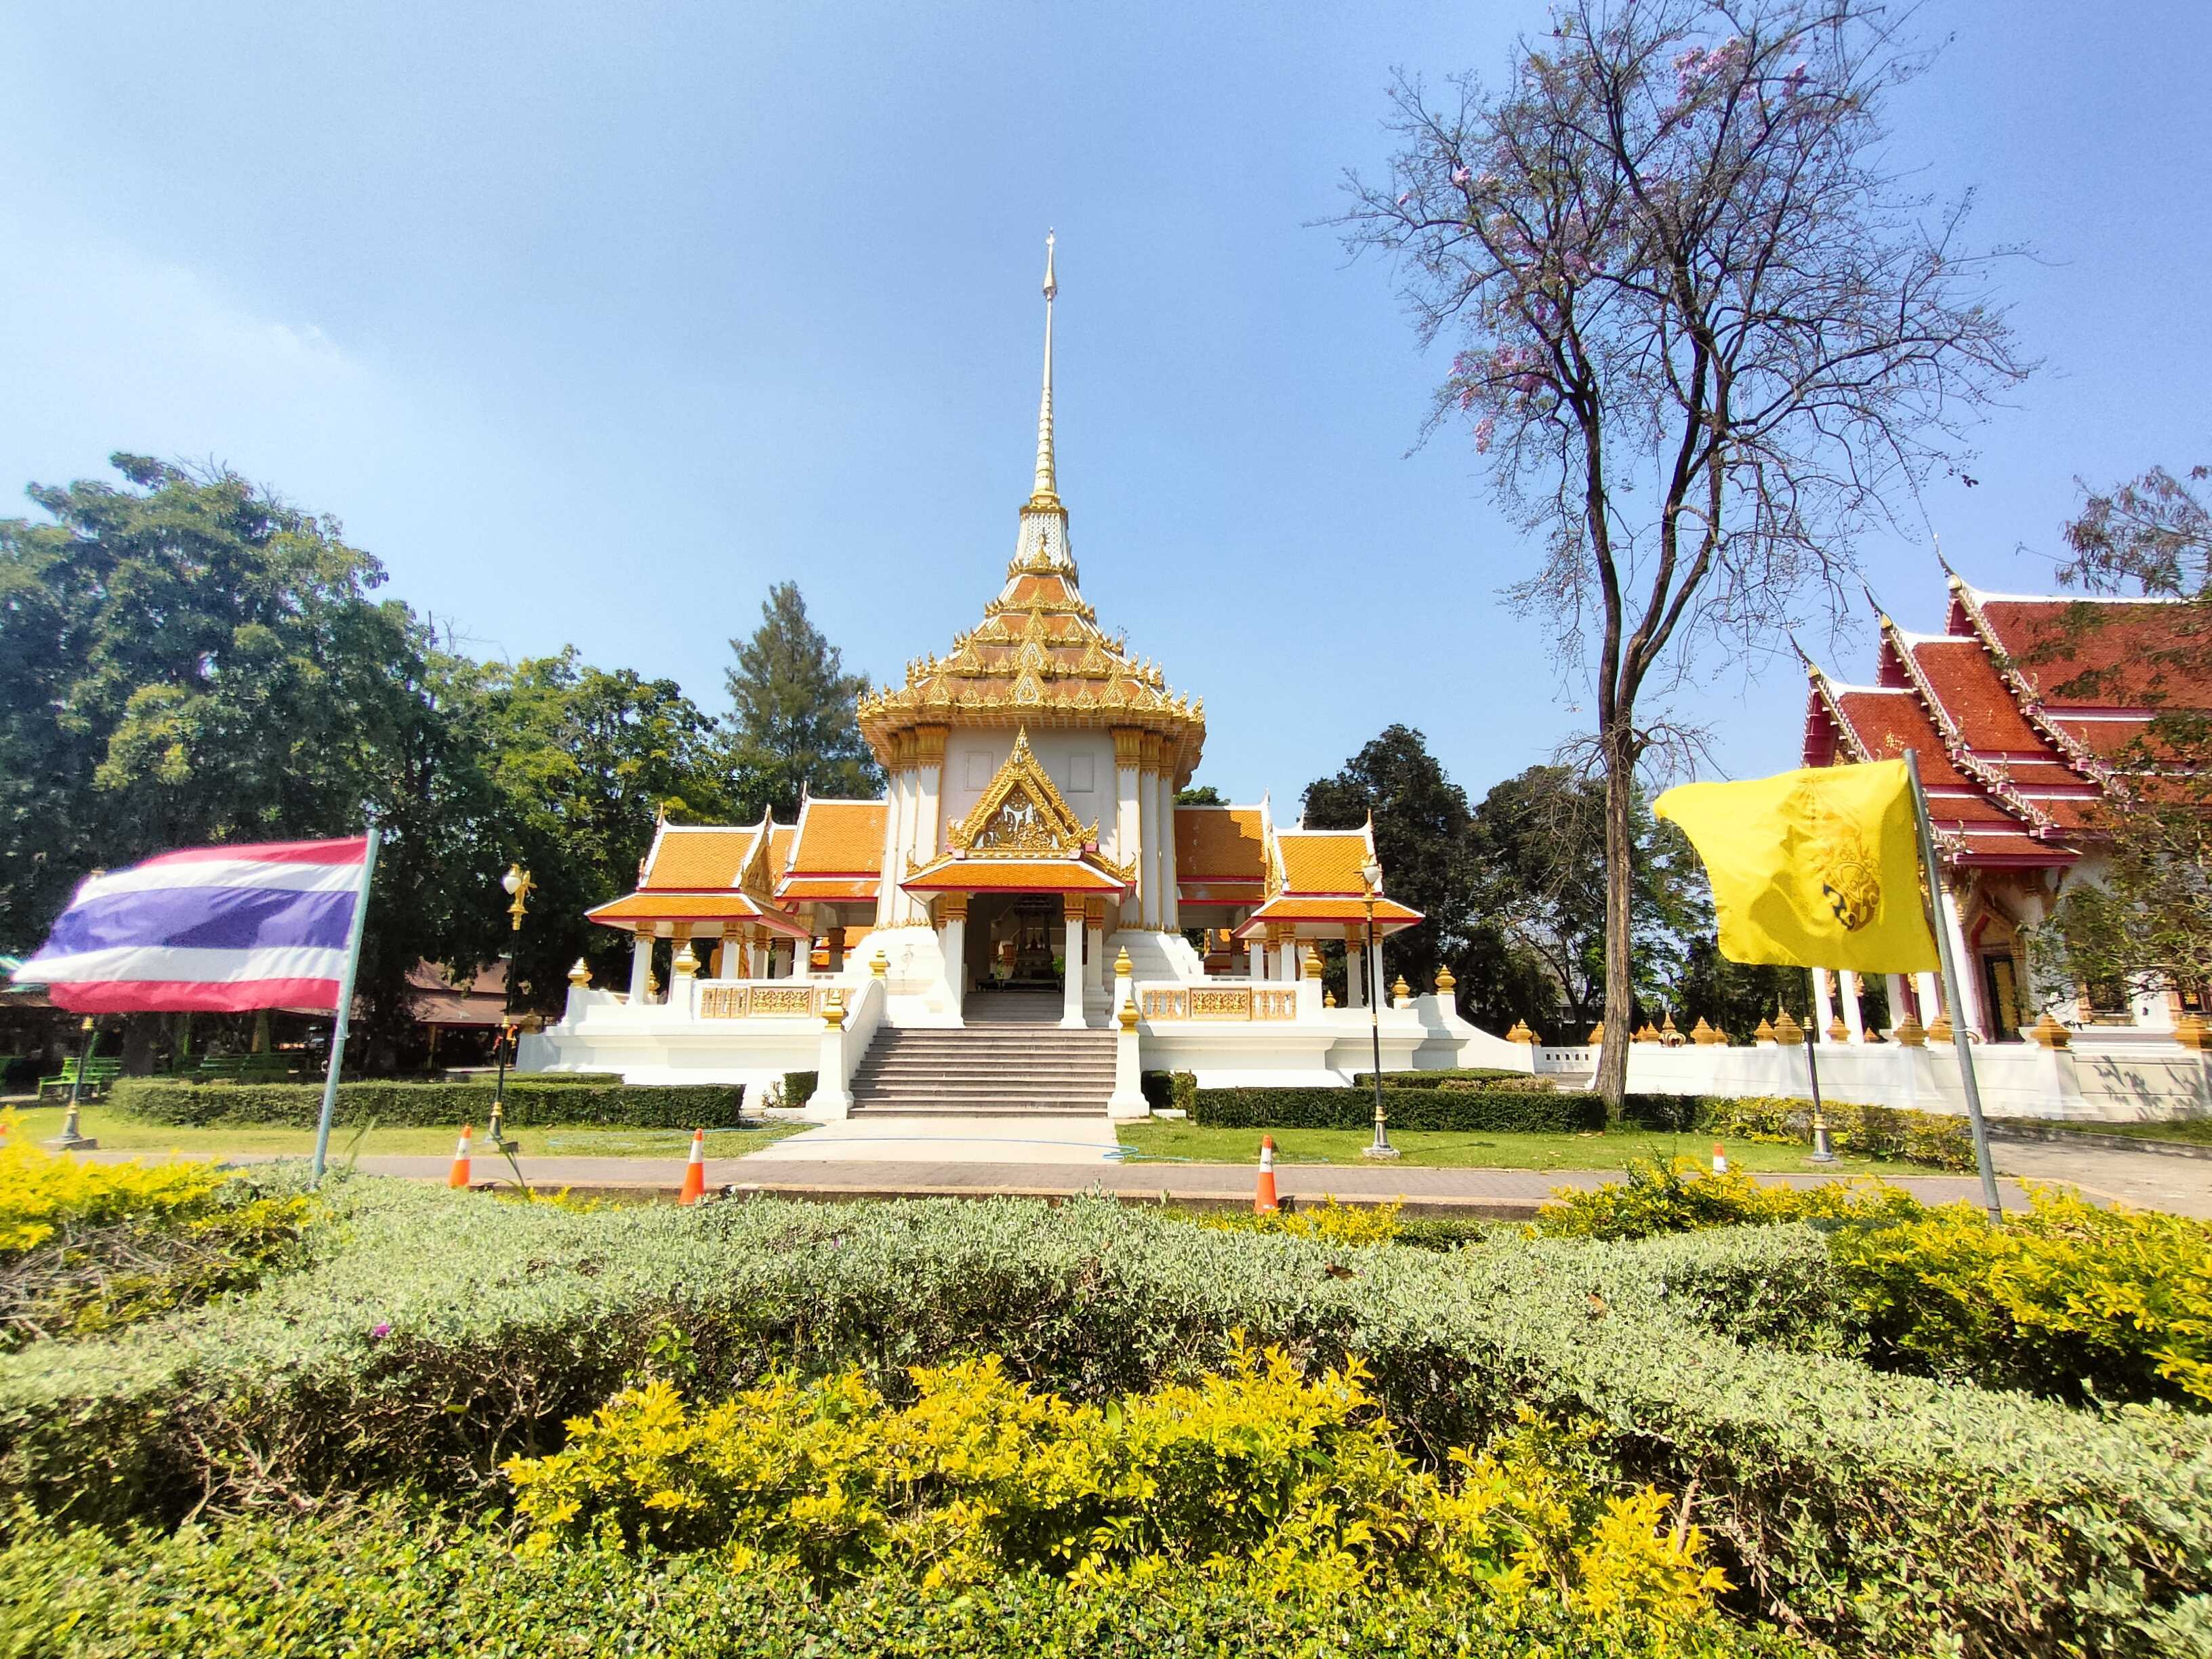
x,y
1021,815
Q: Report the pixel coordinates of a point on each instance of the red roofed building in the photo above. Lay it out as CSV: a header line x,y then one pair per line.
x,y
2015,760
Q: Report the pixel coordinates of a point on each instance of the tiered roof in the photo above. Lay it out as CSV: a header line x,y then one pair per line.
x,y
1039,657
2014,761
1314,879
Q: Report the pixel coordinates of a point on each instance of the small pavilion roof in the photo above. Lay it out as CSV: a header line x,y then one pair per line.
x,y
714,904
1336,911
999,875
837,851
693,855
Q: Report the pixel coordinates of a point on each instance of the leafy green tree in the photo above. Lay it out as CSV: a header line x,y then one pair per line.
x,y
1541,842
584,761
187,659
1204,794
2148,918
792,726
1709,335
1421,839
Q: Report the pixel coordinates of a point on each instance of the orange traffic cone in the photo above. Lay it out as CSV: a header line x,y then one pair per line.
x,y
1720,1159
1263,1199
695,1172
460,1177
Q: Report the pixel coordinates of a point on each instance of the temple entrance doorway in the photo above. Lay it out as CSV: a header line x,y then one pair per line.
x,y
1013,949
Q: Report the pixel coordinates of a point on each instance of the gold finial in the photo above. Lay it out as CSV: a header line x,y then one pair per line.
x,y
833,1011
1445,982
1313,963
1046,486
878,965
1122,966
580,975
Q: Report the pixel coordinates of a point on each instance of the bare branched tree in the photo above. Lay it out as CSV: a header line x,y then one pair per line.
x,y
1710,335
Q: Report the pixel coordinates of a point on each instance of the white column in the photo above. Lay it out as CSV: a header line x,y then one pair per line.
x,y
1255,958
928,777
953,938
903,904
1287,954
732,964
1129,827
640,966
1094,948
1854,1014
1824,1007
1970,979
1895,984
1071,970
1148,830
887,891
1355,980
1170,901
1931,997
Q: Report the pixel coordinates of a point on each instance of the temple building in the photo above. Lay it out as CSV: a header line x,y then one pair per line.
x,y
2015,760
1028,864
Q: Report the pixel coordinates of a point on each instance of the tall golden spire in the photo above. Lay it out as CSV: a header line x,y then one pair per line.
x,y
1046,490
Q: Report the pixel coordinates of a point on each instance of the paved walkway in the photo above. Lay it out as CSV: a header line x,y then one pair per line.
x,y
1077,1137
1074,1164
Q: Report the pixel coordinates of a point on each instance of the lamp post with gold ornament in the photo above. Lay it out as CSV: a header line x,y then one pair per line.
x,y
72,1139
1370,878
518,886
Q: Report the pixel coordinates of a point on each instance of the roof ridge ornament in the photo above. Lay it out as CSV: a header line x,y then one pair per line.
x,y
1046,487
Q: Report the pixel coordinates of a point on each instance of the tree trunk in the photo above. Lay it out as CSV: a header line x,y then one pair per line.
x,y
1620,886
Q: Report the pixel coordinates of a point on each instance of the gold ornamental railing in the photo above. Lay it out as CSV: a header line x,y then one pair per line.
x,y
1224,1003
762,1001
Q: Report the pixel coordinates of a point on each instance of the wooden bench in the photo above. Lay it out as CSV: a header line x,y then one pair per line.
x,y
98,1075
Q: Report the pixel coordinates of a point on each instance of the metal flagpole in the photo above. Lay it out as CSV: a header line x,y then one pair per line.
x,y
1951,997
344,1009
1822,1152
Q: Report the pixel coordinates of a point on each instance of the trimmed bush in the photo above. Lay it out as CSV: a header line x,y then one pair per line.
x,y
1683,1196
1882,1514
1551,1112
530,1100
2070,1299
401,1581
798,1087
92,1247
1436,1079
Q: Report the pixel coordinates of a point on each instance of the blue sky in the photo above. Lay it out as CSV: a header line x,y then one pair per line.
x,y
593,321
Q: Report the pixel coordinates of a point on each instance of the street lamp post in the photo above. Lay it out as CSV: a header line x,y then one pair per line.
x,y
72,1137
518,885
1370,877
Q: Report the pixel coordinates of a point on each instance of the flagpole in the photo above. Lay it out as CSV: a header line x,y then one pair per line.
x,y
344,1008
1951,997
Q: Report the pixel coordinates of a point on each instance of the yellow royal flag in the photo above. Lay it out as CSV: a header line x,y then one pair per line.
x,y
1813,869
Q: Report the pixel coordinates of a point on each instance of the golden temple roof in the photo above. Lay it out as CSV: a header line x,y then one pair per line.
x,y
697,855
1038,656
1323,860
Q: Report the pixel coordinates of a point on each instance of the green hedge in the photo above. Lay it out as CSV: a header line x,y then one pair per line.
x,y
798,1087
1436,1079
1882,1514
398,1583
530,1100
1460,1101
1515,1111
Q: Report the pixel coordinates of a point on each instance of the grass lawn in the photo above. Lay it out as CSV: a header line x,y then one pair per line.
x,y
1443,1148
2190,1131
113,1129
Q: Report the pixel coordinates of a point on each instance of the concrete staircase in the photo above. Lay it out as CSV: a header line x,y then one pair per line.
x,y
1016,1069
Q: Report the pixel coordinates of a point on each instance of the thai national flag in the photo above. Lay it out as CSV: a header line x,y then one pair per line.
x,y
217,929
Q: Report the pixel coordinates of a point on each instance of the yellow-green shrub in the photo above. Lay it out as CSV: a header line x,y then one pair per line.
x,y
1683,1196
88,1247
1298,1479
1329,1221
2069,1299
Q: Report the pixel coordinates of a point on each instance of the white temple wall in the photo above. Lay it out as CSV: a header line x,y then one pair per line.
x,y
1080,764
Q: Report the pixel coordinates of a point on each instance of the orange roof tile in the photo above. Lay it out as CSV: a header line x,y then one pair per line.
x,y
836,888
839,838
1219,843
1322,860
661,905
2121,647
1389,915
1012,876
697,855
